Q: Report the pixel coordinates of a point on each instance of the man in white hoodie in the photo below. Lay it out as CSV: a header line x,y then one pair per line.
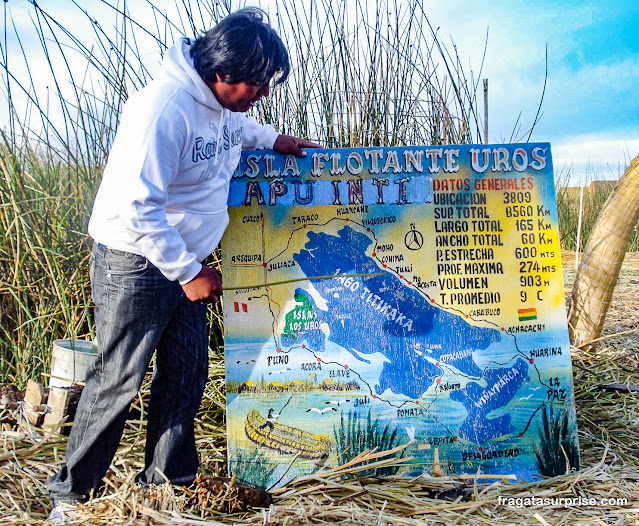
x,y
159,212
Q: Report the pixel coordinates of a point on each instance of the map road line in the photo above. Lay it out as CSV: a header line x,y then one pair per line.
x,y
299,279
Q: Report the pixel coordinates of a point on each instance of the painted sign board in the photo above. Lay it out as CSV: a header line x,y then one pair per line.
x,y
376,297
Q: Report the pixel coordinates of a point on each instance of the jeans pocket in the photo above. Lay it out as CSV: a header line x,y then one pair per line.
x,y
125,264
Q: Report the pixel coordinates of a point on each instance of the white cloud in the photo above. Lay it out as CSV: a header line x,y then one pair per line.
x,y
591,157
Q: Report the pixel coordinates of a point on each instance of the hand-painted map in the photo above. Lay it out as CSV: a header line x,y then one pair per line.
x,y
378,297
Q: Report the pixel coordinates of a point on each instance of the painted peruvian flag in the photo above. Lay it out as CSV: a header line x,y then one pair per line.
x,y
242,306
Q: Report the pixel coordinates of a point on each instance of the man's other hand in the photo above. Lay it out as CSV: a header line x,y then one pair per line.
x,y
287,144
206,287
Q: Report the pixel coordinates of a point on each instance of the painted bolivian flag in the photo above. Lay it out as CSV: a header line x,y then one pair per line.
x,y
527,314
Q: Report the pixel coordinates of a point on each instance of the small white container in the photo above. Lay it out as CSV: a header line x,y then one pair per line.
x,y
70,360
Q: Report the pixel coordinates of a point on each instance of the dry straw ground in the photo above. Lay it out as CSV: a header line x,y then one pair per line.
x,y
605,491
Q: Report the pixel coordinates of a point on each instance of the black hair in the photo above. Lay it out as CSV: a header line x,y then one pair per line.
x,y
242,47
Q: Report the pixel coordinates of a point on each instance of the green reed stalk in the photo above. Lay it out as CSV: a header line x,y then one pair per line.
x,y
569,200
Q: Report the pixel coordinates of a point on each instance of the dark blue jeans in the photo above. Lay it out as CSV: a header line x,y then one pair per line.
x,y
137,312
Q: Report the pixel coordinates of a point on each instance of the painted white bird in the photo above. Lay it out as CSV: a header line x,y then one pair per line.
x,y
410,431
321,411
280,371
526,397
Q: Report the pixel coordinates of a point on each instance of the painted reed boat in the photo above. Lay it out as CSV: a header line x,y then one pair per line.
x,y
286,439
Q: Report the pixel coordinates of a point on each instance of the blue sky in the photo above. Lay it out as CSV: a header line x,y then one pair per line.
x,y
590,111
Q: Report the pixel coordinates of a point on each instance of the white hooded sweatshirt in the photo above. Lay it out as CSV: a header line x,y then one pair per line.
x,y
164,190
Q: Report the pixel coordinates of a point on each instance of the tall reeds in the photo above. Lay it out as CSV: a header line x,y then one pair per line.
x,y
355,436
364,73
587,202
556,451
43,259
371,74
253,467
